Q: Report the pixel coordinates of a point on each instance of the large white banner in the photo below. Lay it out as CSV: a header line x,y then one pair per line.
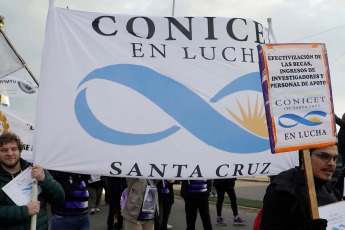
x,y
142,96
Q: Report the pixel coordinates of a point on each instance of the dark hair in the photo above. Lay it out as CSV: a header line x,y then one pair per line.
x,y
343,116
11,137
300,155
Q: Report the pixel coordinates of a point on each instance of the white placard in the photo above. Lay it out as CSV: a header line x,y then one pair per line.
x,y
20,188
335,214
297,87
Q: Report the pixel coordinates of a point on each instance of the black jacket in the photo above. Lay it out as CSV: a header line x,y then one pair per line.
x,y
286,206
186,194
339,184
341,135
169,196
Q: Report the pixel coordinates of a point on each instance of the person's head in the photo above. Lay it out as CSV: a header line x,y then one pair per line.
x,y
323,162
343,116
10,149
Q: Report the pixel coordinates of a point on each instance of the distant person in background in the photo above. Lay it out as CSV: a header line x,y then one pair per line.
x,y
341,138
228,186
166,200
73,212
95,187
213,190
195,194
139,211
115,187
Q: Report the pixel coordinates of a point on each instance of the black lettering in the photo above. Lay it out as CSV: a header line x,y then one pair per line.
x,y
210,27
95,25
250,169
162,53
203,53
180,27
179,169
113,166
244,55
196,171
186,56
259,32
218,170
229,29
238,168
153,166
150,27
267,165
224,56
135,169
134,45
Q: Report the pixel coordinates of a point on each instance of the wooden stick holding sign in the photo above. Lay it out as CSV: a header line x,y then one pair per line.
x,y
34,198
308,171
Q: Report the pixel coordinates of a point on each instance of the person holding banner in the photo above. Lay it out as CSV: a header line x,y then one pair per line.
x,y
13,216
285,205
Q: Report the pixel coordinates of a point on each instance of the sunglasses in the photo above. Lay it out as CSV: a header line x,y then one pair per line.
x,y
325,157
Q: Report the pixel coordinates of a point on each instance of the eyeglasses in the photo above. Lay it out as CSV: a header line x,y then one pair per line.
x,y
325,157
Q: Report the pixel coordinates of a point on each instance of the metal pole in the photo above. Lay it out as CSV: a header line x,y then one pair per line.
x,y
270,29
20,58
173,8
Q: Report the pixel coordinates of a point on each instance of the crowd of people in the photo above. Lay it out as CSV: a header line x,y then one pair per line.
x,y
145,204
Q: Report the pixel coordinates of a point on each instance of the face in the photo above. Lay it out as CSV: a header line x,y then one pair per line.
x,y
322,169
9,155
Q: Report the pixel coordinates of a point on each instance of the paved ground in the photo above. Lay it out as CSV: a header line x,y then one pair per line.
x,y
244,189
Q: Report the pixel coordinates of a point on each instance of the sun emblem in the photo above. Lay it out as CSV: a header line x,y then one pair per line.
x,y
3,122
315,119
255,121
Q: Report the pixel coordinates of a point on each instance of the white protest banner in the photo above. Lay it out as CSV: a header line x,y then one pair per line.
x,y
161,97
16,87
297,91
9,60
334,214
11,121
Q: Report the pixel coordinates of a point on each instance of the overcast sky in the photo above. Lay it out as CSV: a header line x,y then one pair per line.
x,y
319,21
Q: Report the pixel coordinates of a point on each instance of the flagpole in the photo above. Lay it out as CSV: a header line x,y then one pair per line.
x,y
20,58
33,222
270,29
173,8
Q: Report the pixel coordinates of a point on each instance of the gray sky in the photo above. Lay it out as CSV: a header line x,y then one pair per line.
x,y
317,21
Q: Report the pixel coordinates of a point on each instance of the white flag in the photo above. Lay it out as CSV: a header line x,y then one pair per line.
x,y
16,87
9,60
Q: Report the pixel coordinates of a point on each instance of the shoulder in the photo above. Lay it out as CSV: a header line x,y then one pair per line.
x,y
285,181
